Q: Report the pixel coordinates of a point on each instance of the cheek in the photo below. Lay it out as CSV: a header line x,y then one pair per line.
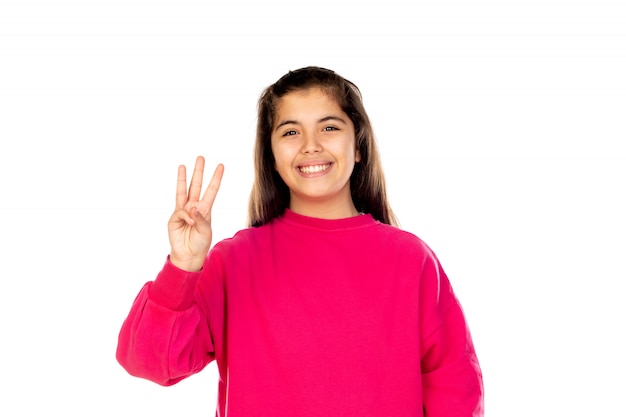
x,y
281,157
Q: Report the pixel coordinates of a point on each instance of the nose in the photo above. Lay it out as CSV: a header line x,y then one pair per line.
x,y
311,144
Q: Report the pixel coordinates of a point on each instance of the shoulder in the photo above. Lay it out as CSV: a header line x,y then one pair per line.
x,y
407,248
401,239
243,239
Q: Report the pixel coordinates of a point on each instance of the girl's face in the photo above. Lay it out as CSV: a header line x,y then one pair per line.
x,y
313,143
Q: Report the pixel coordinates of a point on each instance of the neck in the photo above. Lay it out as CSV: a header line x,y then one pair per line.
x,y
329,210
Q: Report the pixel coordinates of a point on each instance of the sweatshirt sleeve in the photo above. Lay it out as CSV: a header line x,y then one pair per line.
x,y
166,336
451,375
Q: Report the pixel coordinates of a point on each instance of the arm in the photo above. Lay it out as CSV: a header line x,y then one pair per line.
x,y
166,335
451,375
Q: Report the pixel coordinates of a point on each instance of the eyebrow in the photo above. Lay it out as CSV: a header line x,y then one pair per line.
x,y
322,120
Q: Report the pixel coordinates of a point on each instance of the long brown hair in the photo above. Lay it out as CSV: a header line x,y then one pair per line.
x,y
270,195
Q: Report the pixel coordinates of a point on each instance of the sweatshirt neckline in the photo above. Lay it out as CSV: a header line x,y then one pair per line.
x,y
296,219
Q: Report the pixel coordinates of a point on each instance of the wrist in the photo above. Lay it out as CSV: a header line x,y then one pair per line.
x,y
189,265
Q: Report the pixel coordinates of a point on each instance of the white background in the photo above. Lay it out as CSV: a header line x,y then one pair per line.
x,y
501,126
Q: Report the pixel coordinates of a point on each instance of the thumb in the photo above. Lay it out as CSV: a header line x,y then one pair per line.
x,y
201,223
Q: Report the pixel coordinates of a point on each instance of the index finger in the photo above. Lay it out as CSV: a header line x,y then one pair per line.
x,y
214,186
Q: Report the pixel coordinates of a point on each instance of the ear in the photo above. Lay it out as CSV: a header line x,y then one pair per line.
x,y
357,156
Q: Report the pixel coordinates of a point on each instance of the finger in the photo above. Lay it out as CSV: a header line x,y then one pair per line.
x,y
181,188
213,187
179,217
195,188
202,224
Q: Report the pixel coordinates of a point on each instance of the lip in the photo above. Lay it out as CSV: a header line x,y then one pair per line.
x,y
316,173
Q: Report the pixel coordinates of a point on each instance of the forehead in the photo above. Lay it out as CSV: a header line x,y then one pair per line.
x,y
306,101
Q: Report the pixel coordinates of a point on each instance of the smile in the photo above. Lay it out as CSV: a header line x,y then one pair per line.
x,y
313,169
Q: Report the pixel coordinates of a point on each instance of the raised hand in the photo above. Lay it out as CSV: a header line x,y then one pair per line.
x,y
189,228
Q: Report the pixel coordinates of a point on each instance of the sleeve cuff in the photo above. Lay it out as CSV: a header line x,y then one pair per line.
x,y
174,288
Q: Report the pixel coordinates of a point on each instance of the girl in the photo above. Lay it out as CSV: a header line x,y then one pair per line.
x,y
322,307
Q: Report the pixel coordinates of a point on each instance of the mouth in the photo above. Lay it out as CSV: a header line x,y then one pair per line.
x,y
313,169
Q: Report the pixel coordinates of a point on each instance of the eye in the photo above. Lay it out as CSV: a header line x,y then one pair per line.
x,y
330,128
290,133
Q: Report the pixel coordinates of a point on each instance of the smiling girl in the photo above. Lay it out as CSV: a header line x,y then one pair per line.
x,y
323,306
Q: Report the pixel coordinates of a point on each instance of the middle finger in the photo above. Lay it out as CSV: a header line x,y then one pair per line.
x,y
195,188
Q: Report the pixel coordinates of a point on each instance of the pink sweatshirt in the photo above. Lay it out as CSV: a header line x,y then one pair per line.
x,y
311,317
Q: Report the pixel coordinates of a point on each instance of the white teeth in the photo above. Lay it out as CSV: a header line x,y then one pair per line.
x,y
312,169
